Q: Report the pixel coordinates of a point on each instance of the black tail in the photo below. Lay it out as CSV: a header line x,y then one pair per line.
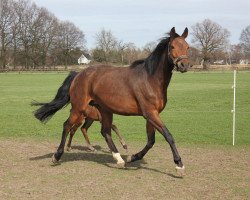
x,y
47,110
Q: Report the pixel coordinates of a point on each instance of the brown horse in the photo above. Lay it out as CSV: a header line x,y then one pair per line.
x,y
140,89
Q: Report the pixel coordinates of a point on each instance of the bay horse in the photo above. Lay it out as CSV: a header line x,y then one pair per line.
x,y
139,90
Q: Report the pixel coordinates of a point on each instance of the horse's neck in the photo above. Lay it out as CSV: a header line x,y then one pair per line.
x,y
164,74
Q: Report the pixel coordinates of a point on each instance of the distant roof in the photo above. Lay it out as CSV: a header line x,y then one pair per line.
x,y
87,56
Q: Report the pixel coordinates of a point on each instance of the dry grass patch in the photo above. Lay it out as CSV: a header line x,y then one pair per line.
x,y
212,173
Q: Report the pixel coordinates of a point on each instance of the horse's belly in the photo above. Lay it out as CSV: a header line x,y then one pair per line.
x,y
119,104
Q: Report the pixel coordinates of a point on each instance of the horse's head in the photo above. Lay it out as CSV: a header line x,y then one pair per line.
x,y
177,50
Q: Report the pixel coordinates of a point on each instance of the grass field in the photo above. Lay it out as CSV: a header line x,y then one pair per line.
x,y
198,109
198,114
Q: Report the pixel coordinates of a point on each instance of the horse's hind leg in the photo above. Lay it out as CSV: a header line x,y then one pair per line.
x,y
74,119
122,141
107,118
88,122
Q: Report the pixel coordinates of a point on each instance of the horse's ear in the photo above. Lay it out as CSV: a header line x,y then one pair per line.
x,y
185,33
172,32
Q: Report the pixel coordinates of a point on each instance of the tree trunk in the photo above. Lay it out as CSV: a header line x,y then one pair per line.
x,y
14,54
3,54
3,58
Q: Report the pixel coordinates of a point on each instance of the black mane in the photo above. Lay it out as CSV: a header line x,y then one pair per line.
x,y
152,61
137,62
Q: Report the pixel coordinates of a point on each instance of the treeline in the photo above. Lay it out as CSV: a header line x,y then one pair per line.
x,y
210,44
109,49
31,36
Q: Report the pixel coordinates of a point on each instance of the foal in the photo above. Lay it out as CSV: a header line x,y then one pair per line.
x,y
88,122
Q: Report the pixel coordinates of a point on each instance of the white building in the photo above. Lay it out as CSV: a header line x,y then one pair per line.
x,y
244,62
84,59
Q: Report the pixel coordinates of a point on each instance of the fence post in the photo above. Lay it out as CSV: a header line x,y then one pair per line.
x,y
234,109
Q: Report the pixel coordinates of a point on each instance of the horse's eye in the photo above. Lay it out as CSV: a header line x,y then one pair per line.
x,y
172,47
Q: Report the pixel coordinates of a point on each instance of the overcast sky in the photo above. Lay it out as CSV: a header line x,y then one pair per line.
x,y
143,21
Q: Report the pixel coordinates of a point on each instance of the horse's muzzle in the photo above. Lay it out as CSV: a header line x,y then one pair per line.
x,y
182,66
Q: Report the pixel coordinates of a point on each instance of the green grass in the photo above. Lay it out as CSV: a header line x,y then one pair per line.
x,y
198,110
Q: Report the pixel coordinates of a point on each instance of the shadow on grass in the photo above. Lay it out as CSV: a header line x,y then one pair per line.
x,y
102,157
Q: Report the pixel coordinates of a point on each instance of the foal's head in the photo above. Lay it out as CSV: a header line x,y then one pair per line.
x,y
177,50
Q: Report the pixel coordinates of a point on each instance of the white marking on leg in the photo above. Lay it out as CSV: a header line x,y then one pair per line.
x,y
118,158
180,168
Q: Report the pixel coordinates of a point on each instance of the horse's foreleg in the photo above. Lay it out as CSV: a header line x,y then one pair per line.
x,y
155,120
88,122
122,141
106,132
149,145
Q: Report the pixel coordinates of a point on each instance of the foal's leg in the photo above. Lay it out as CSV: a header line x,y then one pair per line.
x,y
149,145
71,135
88,122
74,119
155,120
122,141
107,118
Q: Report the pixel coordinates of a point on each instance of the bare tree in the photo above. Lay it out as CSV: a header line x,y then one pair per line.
x,y
48,33
209,37
235,53
69,38
245,41
121,47
36,34
16,28
31,36
194,55
20,32
131,53
6,21
105,44
28,29
149,47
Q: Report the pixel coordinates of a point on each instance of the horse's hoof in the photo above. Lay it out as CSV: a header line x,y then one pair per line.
x,y
129,159
125,147
121,165
68,149
91,148
54,160
180,171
